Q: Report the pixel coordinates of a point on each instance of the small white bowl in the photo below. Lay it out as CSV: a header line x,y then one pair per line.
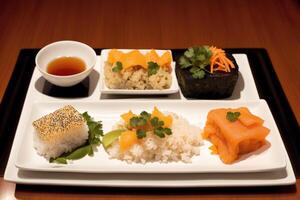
x,y
65,48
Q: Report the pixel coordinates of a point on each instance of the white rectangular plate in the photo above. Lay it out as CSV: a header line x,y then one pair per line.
x,y
105,90
247,92
270,157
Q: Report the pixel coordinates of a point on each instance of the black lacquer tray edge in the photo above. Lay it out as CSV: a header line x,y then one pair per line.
x,y
266,80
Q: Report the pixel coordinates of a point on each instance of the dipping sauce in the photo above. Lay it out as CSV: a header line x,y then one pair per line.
x,y
65,66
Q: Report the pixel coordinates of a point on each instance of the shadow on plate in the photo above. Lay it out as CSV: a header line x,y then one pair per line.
x,y
83,192
121,96
83,89
240,85
266,146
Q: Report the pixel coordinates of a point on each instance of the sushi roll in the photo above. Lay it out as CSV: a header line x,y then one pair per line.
x,y
206,73
59,132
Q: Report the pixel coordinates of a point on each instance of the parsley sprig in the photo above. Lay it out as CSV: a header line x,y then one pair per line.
x,y
95,132
196,59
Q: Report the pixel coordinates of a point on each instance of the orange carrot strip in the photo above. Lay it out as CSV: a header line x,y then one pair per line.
x,y
219,61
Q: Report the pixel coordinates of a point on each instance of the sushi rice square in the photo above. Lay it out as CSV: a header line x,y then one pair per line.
x,y
59,132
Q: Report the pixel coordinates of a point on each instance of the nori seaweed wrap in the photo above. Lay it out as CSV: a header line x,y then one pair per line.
x,y
216,85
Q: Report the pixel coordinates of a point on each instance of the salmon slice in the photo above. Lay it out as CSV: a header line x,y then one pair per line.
x,y
133,58
152,56
114,55
232,139
165,59
247,119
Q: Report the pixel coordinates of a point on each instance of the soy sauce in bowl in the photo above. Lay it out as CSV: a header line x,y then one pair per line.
x,y
66,66
66,63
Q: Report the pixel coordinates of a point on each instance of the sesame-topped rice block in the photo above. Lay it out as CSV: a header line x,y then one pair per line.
x,y
59,132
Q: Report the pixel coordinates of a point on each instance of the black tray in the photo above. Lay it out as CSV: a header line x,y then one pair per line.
x,y
266,81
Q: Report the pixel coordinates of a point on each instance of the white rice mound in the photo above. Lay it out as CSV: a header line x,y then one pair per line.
x,y
136,78
182,145
53,148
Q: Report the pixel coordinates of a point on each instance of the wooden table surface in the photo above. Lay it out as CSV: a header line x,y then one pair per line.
x,y
272,24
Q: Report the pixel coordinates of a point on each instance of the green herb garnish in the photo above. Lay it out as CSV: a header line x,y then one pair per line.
x,y
152,68
232,116
95,132
162,132
140,133
197,72
145,115
159,132
145,119
196,58
158,128
117,67
137,121
168,131
155,122
95,129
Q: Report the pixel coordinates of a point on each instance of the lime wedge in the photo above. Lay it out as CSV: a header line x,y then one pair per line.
x,y
110,137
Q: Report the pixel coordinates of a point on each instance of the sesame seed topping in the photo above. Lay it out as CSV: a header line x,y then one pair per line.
x,y
58,123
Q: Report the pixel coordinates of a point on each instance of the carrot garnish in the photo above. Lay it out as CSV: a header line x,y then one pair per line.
x,y
219,61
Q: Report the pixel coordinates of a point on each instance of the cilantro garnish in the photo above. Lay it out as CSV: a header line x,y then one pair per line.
x,y
196,58
162,132
158,128
117,67
95,129
152,124
152,68
137,121
145,115
197,72
232,116
155,122
168,131
95,132
140,133
159,132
